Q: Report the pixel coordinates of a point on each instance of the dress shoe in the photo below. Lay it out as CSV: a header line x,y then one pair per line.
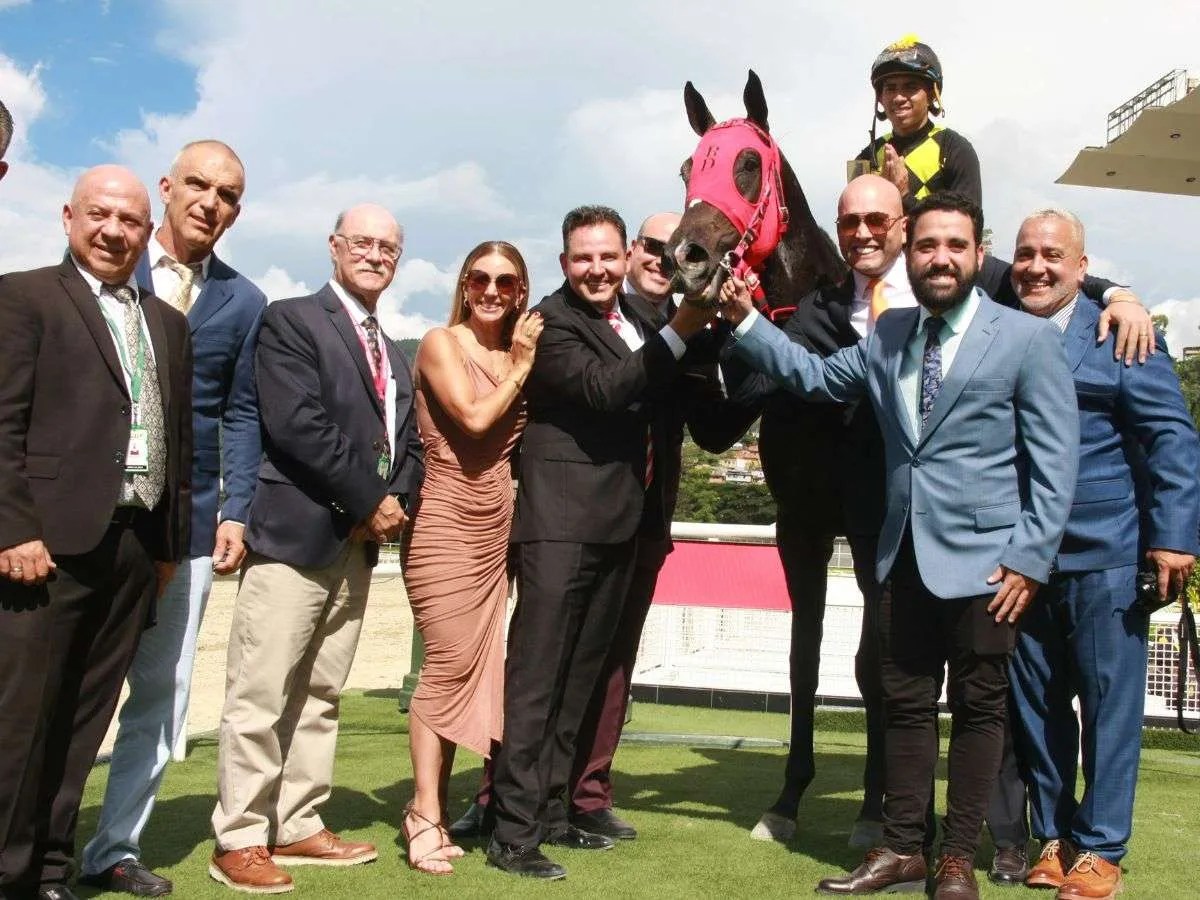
x,y
1050,871
1010,866
865,834
774,827
250,870
605,822
529,862
1091,878
129,876
55,892
881,872
954,879
472,824
324,849
577,839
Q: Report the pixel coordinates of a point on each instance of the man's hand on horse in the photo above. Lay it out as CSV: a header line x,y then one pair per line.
x,y
690,319
737,298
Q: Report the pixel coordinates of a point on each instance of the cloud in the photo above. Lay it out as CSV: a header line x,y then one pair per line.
x,y
9,4
279,285
1183,323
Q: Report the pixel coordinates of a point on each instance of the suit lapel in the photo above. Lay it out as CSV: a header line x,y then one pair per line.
x,y
340,320
89,310
894,332
840,301
974,346
217,291
162,350
595,323
1080,331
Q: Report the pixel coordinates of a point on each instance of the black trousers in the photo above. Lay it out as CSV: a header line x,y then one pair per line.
x,y
569,602
805,556
66,647
921,637
1008,809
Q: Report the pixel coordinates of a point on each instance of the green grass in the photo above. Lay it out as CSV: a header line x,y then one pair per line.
x,y
693,807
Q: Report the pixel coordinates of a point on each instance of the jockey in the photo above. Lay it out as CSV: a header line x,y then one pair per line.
x,y
917,156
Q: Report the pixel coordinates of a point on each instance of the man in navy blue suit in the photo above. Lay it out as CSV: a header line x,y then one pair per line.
x,y
1137,497
201,197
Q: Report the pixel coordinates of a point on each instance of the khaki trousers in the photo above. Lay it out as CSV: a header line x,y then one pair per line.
x,y
291,645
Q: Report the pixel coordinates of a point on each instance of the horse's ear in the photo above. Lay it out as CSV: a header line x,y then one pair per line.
x,y
698,115
756,101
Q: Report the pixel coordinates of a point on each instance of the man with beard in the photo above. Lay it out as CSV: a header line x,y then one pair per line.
x,y
981,442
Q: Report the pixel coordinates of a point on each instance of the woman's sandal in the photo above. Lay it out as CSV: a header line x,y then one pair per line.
x,y
450,849
425,863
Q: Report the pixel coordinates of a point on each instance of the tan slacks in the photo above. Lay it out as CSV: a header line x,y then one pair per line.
x,y
291,645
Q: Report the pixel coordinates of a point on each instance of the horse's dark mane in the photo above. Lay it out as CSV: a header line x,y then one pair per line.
x,y
807,258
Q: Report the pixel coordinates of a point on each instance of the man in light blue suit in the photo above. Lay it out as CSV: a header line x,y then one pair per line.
x,y
202,198
1086,636
981,443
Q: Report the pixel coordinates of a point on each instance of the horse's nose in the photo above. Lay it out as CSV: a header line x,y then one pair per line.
x,y
691,256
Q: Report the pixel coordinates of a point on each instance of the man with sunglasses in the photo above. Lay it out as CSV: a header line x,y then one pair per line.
x,y
341,473
645,277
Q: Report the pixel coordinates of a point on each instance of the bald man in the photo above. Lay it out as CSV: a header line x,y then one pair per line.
x,y
95,457
645,276
201,198
341,473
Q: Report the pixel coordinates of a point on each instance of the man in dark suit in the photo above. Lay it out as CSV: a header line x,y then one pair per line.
x,y
968,508
341,472
201,198
95,421
1086,636
589,491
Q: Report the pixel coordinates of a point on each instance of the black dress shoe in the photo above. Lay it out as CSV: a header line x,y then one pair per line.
x,y
129,876
577,839
529,862
55,892
605,822
474,823
881,872
1010,866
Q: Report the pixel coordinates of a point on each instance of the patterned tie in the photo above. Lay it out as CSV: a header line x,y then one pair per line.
x,y
878,301
182,298
148,485
371,326
614,319
931,366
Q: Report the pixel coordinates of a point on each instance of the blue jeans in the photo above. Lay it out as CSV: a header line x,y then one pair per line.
x,y
160,681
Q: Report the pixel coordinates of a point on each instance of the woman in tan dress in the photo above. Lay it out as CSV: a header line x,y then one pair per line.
x,y
470,413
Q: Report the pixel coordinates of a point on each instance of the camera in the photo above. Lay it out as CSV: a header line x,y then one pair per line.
x,y
1148,599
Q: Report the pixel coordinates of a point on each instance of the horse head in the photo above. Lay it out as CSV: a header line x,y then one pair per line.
x,y
745,211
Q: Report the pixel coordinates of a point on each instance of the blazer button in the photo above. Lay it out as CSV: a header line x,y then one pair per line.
x,y
376,445
117,457
124,410
916,463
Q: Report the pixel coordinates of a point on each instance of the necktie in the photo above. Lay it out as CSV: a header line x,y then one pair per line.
x,y
615,321
931,366
148,485
875,295
371,326
182,298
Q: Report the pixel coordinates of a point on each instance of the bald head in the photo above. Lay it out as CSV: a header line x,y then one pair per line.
x,y
871,225
202,196
365,246
107,222
645,257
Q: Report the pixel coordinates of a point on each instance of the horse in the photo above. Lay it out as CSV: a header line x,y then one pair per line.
x,y
794,254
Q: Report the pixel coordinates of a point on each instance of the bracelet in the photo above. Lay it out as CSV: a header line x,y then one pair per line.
x,y
1124,295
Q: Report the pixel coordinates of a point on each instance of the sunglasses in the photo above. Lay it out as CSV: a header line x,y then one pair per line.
x,y
653,246
878,223
507,285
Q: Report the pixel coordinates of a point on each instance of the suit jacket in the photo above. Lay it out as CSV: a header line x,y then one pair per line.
x,y
224,323
1133,421
590,400
323,427
989,479
65,415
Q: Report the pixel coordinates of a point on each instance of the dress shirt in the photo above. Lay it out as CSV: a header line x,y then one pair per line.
x,y
957,320
628,332
896,290
1062,318
165,279
358,315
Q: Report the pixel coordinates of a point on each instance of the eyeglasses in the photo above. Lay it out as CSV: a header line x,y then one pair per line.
x,y
359,246
878,223
653,246
507,285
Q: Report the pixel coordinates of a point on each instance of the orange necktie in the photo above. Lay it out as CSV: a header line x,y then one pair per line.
x,y
874,292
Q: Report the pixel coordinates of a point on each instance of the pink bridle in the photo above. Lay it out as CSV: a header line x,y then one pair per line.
x,y
762,223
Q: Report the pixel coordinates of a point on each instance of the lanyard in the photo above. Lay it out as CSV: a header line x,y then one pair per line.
x,y
139,362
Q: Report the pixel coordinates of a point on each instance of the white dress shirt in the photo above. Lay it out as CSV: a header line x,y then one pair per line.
x,y
166,280
957,320
358,315
896,290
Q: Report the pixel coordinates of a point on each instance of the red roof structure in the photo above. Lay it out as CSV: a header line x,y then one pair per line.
x,y
732,576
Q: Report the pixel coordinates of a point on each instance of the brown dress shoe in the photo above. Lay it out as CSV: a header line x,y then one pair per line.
x,y
250,870
324,849
1091,878
882,871
1050,871
954,878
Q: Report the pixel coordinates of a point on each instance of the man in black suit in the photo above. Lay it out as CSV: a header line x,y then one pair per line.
x,y
588,492
341,472
95,459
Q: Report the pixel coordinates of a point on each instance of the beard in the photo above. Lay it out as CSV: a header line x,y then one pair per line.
x,y
938,299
